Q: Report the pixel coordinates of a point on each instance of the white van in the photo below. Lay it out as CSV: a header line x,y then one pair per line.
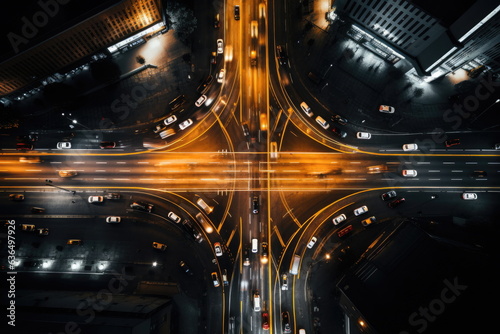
x,y
208,209
256,301
255,245
321,121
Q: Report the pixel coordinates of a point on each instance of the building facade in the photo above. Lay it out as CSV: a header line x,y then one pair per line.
x,y
435,41
88,35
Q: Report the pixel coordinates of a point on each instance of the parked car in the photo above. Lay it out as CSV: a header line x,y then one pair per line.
x,y
312,242
361,210
28,227
410,147
16,197
386,109
113,220
107,144
173,217
169,120
220,76
363,135
339,219
63,145
396,202
452,142
220,46
469,196
202,99
218,249
306,109
43,231
159,246
409,173
388,195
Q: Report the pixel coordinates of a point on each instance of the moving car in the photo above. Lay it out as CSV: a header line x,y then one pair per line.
x,y
159,246
338,132
141,206
167,133
409,173
30,160
479,173
410,147
321,121
63,145
236,12
96,199
113,220
377,169
184,125
218,249
173,217
452,142
177,102
396,202
185,268
361,210
107,144
285,321
215,279
344,231
363,135
368,221
73,242
24,147
339,219
388,195
246,257
43,231
246,130
306,109
265,252
112,196
220,46
284,284
255,205
202,99
469,196
282,57
169,120
16,197
207,208
312,242
265,321
386,109
67,173
36,209
339,119
220,76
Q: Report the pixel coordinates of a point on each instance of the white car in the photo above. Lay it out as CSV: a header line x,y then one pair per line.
x,y
220,76
220,46
410,147
339,219
312,242
306,109
170,120
200,100
409,173
218,249
96,199
113,220
469,196
63,145
363,135
188,122
361,210
172,216
386,109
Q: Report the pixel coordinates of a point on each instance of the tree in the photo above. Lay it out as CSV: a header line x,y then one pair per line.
x,y
181,20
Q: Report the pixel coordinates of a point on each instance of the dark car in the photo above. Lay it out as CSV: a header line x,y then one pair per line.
x,y
25,138
388,195
107,144
338,132
339,119
217,21
112,196
265,321
396,202
192,230
37,210
282,57
255,205
177,102
24,147
479,173
285,321
344,231
141,206
452,142
205,84
236,12
246,131
16,197
246,257
185,268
